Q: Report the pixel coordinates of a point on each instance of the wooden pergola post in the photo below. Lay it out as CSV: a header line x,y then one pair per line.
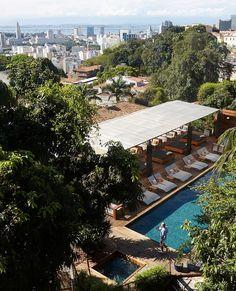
x,y
218,124
149,158
189,139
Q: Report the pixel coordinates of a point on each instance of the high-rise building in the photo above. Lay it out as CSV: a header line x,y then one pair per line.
x,y
125,35
18,31
233,22
102,30
166,24
76,32
2,40
90,31
149,32
224,25
50,35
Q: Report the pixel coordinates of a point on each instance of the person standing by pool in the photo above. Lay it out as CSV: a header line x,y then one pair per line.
x,y
163,235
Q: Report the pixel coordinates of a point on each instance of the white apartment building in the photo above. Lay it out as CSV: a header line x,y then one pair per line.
x,y
107,41
22,50
230,39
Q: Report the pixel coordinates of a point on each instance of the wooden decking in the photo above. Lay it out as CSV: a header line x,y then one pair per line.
x,y
134,244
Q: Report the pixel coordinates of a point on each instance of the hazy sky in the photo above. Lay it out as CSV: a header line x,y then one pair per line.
x,y
62,10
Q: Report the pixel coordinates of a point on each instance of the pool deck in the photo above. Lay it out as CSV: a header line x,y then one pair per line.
x,y
136,245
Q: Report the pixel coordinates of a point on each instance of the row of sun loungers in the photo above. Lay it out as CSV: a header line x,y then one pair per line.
x,y
158,182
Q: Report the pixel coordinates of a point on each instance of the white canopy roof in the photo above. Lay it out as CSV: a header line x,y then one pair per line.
x,y
143,125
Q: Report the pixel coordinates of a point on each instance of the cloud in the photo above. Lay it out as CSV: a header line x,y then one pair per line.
x,y
84,8
213,12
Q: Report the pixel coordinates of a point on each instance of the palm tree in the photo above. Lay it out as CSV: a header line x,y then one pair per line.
x,y
228,139
89,93
118,88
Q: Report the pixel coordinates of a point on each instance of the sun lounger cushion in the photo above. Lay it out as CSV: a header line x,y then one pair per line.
x,y
192,163
181,175
203,152
163,184
150,197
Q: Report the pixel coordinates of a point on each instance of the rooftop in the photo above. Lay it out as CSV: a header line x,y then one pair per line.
x,y
119,109
143,125
87,69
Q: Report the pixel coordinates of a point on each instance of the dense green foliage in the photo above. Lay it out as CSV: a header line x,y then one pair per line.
x,y
154,95
215,245
128,53
26,73
219,95
158,51
52,124
152,279
6,97
113,72
83,282
36,230
197,58
228,139
4,61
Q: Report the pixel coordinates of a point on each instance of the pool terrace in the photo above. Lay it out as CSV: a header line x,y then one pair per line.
x,y
141,127
136,245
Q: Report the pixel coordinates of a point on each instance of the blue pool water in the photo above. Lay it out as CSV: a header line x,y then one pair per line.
x,y
117,269
173,212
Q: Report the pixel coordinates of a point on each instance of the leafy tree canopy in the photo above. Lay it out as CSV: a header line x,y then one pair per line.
x,y
4,61
128,53
219,95
36,229
113,72
73,185
26,73
215,245
6,98
197,58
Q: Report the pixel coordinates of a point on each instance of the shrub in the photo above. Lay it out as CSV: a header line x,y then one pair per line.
x,y
84,282
152,279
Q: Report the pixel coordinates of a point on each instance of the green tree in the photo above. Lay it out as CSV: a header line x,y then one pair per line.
x,y
113,72
4,61
38,223
158,50
6,98
219,95
197,58
118,88
54,126
154,95
228,139
214,245
26,73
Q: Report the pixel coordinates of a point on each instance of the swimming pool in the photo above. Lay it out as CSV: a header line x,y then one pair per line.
x,y
117,267
173,212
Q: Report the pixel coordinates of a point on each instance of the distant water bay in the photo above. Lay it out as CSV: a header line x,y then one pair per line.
x,y
67,29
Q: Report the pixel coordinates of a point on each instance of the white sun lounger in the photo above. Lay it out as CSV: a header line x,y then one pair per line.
x,y
164,185
191,162
176,173
204,153
149,197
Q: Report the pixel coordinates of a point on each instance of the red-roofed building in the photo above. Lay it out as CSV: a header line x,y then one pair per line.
x,y
84,72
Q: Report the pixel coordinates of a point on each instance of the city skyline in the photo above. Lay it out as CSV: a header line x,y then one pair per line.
x,y
109,11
